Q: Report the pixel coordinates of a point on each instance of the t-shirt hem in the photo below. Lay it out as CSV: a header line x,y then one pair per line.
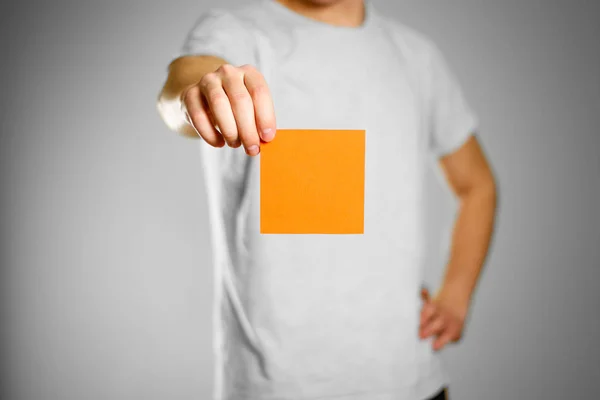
x,y
426,388
467,129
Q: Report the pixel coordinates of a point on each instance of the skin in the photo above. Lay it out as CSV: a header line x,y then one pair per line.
x,y
468,174
206,97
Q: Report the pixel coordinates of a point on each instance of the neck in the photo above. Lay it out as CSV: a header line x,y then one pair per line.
x,y
346,13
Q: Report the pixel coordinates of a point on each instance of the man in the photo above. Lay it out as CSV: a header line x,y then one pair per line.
x,y
302,317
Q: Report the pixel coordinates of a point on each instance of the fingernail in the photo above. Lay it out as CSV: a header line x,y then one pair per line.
x,y
253,150
268,134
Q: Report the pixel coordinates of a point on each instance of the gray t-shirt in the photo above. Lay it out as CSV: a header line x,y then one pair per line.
x,y
301,317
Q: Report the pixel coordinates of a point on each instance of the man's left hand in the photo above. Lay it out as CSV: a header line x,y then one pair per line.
x,y
442,318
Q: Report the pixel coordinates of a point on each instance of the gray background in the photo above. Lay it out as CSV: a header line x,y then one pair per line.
x,y
106,275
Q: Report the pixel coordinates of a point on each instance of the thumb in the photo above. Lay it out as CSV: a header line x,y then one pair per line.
x,y
425,294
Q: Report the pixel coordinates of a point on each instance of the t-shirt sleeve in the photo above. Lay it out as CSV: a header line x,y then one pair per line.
x,y
221,34
451,120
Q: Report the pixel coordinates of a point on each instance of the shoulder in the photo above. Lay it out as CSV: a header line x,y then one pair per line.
x,y
244,18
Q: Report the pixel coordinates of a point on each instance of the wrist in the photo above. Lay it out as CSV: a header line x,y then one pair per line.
x,y
457,296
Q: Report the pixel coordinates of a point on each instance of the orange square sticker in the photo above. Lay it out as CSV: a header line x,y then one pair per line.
x,y
313,181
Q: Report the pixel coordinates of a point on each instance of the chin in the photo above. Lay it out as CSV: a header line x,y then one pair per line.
x,y
322,2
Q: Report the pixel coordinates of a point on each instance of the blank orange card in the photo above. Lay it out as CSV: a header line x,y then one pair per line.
x,y
313,181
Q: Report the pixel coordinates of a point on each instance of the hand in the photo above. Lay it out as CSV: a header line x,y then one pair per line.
x,y
232,105
441,318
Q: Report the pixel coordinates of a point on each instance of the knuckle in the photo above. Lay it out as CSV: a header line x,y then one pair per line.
x,y
216,95
240,96
250,137
247,68
259,90
228,70
230,135
207,79
189,93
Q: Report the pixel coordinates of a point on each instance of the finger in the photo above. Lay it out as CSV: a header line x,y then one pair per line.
x,y
425,294
442,341
242,107
434,327
211,87
196,113
211,118
264,109
428,311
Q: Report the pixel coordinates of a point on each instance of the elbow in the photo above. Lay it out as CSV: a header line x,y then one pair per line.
x,y
488,194
483,190
492,189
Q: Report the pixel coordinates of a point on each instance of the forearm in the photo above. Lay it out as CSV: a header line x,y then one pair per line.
x,y
183,73
471,238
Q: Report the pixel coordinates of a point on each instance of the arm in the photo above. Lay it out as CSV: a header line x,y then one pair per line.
x,y
223,102
184,72
470,178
